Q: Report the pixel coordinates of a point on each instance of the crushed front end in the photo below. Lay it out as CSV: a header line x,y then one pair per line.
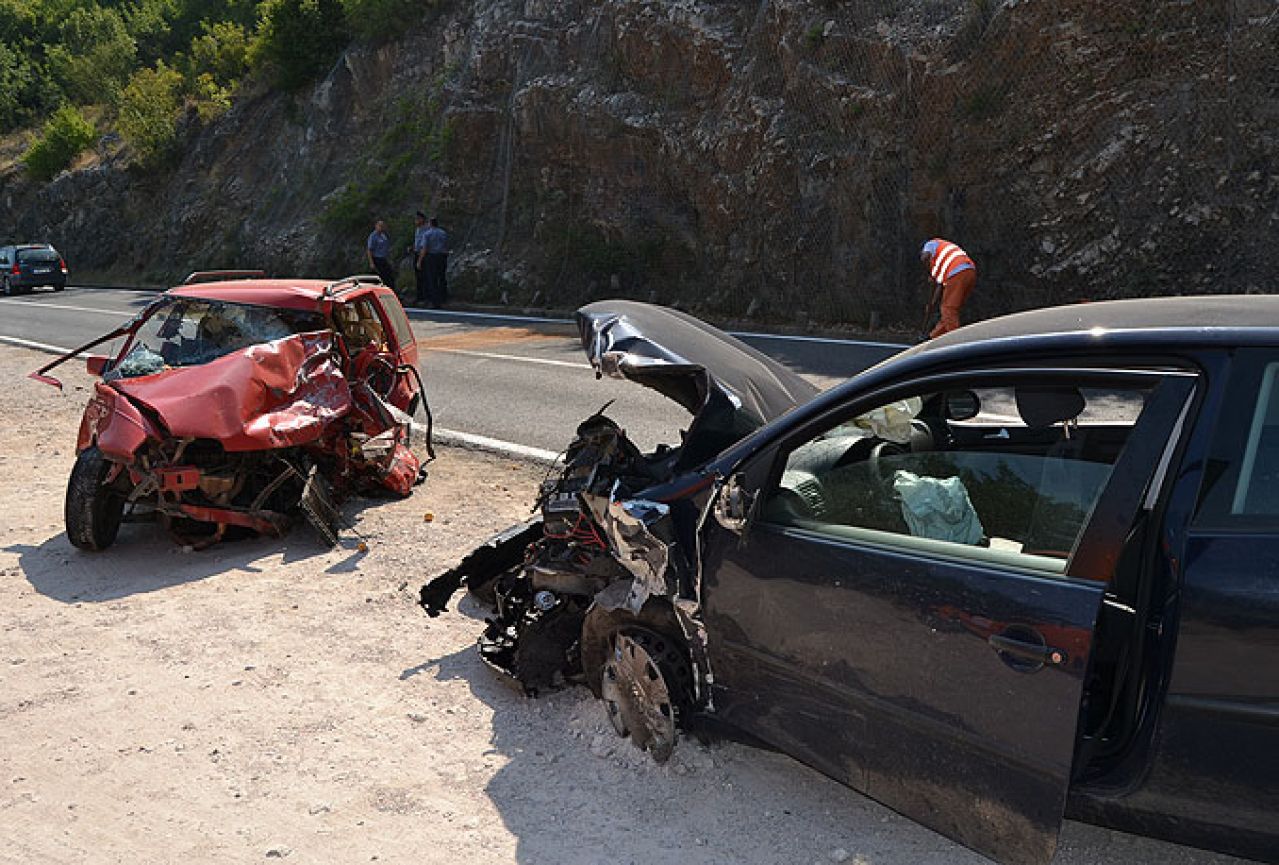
x,y
601,587
220,416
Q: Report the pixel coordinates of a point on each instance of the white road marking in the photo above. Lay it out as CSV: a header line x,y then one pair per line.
x,y
33,303
429,314
454,437
446,436
38,346
426,314
495,356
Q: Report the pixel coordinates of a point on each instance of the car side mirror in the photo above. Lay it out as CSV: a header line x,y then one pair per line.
x,y
962,405
734,504
97,364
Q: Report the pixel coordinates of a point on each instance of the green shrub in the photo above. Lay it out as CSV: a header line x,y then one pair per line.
x,y
149,108
95,55
65,136
379,19
298,39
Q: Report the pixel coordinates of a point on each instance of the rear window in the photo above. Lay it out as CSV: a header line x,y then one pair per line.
x,y
1257,492
38,256
399,321
1241,477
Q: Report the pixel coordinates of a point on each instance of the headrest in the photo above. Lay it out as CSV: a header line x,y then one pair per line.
x,y
1043,406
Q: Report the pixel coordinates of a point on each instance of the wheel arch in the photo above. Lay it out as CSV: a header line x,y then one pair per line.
x,y
608,614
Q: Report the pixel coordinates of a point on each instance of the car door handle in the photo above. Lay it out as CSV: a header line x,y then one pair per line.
x,y
1022,653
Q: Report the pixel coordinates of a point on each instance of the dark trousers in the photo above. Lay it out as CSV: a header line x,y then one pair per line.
x,y
384,270
437,286
419,273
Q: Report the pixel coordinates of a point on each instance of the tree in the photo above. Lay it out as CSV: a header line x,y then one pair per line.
x,y
149,110
221,51
95,56
299,39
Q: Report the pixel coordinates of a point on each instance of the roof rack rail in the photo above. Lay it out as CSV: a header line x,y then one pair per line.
x,y
353,281
220,275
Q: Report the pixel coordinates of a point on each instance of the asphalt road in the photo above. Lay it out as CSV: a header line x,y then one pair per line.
x,y
512,379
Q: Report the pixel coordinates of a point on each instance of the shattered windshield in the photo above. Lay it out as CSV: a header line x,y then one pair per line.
x,y
188,332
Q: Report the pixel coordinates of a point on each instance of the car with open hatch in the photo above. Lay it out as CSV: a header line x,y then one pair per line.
x,y
1026,570
235,402
25,267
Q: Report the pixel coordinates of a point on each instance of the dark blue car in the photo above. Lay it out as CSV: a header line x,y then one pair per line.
x,y
1028,569
27,266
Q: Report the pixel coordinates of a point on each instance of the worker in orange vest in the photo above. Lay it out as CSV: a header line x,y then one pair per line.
x,y
954,274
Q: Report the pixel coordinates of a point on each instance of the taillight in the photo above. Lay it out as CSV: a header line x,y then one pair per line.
x,y
17,271
63,265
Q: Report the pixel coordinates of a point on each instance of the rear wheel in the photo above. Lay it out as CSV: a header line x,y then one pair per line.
x,y
8,288
94,508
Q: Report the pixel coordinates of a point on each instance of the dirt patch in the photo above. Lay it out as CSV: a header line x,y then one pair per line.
x,y
275,699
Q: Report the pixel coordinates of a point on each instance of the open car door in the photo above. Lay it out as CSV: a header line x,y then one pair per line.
x,y
888,597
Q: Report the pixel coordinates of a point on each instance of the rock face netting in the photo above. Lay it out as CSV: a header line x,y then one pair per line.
x,y
787,159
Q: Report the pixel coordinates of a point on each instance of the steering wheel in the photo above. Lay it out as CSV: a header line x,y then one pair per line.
x,y
881,473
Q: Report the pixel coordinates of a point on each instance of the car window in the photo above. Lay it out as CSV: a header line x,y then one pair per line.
x,y
399,321
38,256
1001,474
1257,491
360,324
189,332
1241,485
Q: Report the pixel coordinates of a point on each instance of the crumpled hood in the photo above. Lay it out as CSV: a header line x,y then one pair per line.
x,y
730,388
275,394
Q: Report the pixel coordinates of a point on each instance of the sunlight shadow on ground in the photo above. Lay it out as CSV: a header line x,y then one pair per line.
x,y
144,560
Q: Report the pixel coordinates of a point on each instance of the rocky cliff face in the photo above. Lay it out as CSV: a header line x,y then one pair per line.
x,y
776,158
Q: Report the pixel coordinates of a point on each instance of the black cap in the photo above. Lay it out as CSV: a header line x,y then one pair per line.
x,y
420,215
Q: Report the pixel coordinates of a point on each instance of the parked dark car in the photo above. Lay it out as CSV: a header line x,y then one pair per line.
x,y
28,266
1028,569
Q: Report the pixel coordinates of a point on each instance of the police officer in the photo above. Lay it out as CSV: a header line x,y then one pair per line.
x,y
378,249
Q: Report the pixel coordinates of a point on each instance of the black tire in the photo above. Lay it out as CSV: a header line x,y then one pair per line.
x,y
645,684
8,289
93,509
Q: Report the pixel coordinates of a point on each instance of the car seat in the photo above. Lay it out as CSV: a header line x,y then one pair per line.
x,y
1054,526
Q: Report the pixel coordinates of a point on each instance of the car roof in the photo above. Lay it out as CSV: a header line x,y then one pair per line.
x,y
1143,322
303,294
1148,327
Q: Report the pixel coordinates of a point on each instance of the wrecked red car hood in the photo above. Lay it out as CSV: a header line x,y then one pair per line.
x,y
275,394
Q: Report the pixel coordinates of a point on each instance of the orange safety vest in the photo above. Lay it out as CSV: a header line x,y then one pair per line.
x,y
947,259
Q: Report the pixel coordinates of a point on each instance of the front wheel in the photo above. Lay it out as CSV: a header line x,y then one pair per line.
x,y
94,508
645,687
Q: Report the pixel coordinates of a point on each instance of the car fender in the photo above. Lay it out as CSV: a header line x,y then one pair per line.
x,y
114,424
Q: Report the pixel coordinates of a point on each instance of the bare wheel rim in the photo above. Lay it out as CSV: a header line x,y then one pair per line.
x,y
637,695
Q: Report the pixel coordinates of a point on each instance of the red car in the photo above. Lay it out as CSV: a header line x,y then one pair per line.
x,y
240,401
